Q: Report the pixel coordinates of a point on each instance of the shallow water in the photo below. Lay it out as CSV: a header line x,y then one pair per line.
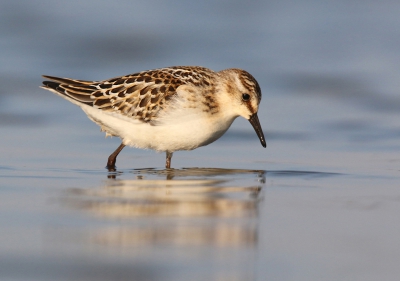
x,y
320,203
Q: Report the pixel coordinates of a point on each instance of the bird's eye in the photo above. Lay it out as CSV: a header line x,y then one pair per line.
x,y
245,97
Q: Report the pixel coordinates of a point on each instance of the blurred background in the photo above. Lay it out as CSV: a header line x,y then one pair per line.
x,y
320,203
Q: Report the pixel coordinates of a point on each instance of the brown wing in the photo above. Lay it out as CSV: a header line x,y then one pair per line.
x,y
140,95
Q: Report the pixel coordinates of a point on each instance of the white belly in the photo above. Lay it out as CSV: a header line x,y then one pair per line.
x,y
180,130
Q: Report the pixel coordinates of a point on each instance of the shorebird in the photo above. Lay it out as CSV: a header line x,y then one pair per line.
x,y
166,109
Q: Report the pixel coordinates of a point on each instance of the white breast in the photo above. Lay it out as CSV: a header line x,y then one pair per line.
x,y
178,129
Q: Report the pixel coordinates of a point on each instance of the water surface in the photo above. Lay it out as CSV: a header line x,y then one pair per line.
x,y
320,203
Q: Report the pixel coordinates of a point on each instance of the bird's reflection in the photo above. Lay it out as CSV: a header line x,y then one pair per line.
x,y
193,206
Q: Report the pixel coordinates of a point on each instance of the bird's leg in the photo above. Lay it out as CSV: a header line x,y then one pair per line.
x,y
113,157
168,162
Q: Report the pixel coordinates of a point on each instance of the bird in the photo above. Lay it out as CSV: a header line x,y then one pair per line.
x,y
166,109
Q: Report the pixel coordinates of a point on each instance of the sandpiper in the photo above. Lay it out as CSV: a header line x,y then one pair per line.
x,y
166,109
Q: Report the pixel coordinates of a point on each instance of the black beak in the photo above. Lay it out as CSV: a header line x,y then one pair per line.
x,y
257,127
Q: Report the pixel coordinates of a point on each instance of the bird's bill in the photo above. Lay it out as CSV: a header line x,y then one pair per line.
x,y
257,127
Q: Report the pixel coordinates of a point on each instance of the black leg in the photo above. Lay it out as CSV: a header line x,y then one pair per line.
x,y
113,157
168,162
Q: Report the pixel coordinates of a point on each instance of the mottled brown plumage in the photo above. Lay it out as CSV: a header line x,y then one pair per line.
x,y
140,95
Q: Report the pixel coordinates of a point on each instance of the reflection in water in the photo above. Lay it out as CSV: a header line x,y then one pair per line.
x,y
184,193
212,212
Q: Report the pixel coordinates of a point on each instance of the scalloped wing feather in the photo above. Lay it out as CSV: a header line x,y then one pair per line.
x,y
140,95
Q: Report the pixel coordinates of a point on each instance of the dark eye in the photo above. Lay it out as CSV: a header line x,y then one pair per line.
x,y
245,97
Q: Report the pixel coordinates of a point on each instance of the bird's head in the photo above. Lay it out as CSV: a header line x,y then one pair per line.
x,y
244,92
